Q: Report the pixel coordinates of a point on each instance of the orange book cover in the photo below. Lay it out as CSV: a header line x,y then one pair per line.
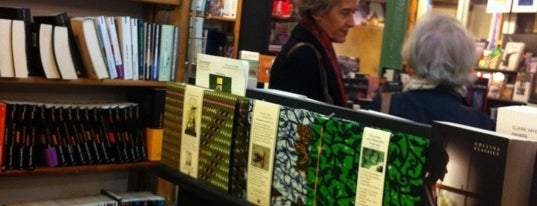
x,y
154,143
265,64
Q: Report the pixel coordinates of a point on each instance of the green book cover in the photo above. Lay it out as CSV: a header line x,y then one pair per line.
x,y
173,113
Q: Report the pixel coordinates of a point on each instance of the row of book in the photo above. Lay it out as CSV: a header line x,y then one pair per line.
x,y
57,135
215,8
275,148
96,47
106,198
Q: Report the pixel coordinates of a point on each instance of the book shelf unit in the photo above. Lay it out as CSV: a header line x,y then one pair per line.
x,y
42,182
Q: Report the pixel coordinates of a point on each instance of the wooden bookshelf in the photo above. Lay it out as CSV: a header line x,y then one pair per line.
x,y
83,169
168,2
86,82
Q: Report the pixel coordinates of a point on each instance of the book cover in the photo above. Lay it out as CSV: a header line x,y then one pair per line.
x,y
166,46
239,145
522,87
263,134
222,73
480,167
173,113
141,47
517,120
291,156
253,64
19,48
217,122
23,16
154,141
106,46
511,56
6,53
86,35
175,54
332,176
123,24
265,64
152,103
191,130
114,42
46,51
63,54
155,64
61,19
476,94
135,48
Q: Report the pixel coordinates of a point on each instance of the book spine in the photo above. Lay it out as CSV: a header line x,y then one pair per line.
x,y
156,55
3,113
124,33
104,40
111,25
134,43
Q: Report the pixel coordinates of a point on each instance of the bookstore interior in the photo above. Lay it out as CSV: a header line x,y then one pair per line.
x,y
166,102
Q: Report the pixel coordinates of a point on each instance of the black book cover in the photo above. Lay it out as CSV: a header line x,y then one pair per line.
x,y
29,137
140,136
114,134
86,136
75,132
68,138
20,137
25,15
11,112
151,102
62,19
50,156
101,128
127,143
65,157
133,132
92,135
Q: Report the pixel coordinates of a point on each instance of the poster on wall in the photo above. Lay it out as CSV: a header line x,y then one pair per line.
x,y
500,6
524,6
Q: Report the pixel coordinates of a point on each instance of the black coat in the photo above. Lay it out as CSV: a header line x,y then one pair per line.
x,y
299,72
440,103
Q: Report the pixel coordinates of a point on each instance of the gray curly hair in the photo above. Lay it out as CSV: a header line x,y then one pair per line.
x,y
441,51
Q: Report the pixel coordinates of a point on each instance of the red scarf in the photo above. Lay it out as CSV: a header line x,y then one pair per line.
x,y
325,41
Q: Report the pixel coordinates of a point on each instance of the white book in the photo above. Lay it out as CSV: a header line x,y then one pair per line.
x,y
262,145
92,57
124,35
166,46
134,39
18,37
6,53
233,73
114,41
62,53
253,64
46,51
518,121
191,131
104,41
511,55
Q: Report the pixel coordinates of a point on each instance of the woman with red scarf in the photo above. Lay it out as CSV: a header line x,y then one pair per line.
x,y
307,63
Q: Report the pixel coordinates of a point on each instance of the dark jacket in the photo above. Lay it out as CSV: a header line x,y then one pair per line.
x,y
440,103
299,72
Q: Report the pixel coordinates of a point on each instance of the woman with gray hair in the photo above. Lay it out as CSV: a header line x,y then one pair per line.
x,y
441,53
307,63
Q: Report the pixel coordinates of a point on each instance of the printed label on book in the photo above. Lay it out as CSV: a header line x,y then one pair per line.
x,y
372,169
262,144
190,141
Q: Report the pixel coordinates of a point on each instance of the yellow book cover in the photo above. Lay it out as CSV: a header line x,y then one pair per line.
x,y
154,143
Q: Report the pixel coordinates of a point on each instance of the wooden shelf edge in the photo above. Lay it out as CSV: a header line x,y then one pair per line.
x,y
169,2
88,82
197,187
82,169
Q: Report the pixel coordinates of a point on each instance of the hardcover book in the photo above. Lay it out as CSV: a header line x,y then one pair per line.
x,y
215,152
222,73
480,167
86,35
291,156
61,19
517,120
334,158
173,113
